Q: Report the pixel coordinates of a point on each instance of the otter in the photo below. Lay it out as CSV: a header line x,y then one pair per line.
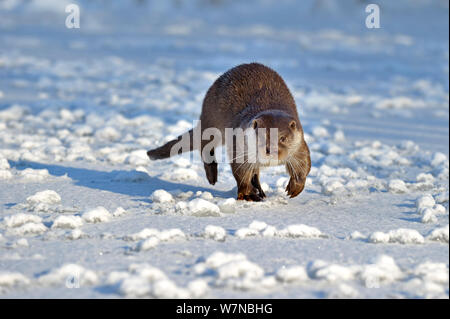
x,y
250,96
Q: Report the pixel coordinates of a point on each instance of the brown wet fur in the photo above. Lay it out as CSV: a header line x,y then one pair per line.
x,y
243,95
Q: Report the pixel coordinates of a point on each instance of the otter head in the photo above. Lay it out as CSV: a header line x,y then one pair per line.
x,y
278,136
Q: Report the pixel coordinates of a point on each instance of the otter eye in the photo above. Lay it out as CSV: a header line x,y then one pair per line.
x,y
283,139
292,125
255,125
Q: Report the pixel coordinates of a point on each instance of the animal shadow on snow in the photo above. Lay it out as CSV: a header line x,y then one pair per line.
x,y
104,180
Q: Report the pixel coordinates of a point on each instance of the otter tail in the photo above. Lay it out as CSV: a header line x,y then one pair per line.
x,y
185,144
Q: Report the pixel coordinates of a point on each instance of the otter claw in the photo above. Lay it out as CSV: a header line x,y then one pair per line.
x,y
250,197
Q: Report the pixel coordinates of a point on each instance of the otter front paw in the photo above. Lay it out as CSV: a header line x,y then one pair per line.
x,y
295,187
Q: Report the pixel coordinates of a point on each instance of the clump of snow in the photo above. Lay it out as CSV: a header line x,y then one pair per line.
x,y
428,216
292,274
397,186
30,228
300,231
97,215
4,165
163,235
34,175
439,234
215,232
67,222
320,131
20,219
143,280
108,134
11,279
356,235
438,159
200,207
399,102
269,231
383,271
147,244
246,232
332,187
46,197
137,158
161,196
119,212
69,274
258,225
13,113
425,201
344,291
401,236
281,184
232,270
259,228
22,242
320,269
434,272
75,234
442,197
207,196
5,174
426,178
143,234
228,206
427,207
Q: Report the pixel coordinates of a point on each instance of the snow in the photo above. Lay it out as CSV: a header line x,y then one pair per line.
x,y
30,228
439,234
300,230
161,196
292,274
97,215
46,197
426,201
11,279
397,186
215,232
81,203
228,206
147,244
163,235
69,273
201,207
21,219
67,222
75,234
401,236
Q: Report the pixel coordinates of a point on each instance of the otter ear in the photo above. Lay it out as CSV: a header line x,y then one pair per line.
x,y
293,125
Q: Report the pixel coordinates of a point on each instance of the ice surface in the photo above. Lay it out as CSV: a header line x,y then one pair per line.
x,y
81,203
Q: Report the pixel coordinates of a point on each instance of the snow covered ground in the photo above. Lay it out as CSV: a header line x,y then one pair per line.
x,y
84,213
